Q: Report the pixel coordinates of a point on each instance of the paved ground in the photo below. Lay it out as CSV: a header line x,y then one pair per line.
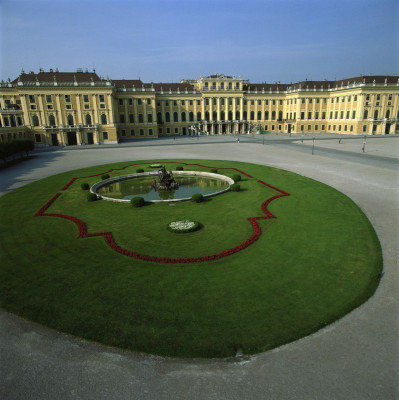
x,y
354,358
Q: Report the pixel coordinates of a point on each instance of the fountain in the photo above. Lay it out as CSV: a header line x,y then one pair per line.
x,y
165,180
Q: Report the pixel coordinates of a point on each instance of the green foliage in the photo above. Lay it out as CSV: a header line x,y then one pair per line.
x,y
197,197
139,170
9,149
214,171
137,202
91,196
179,168
105,176
236,178
85,186
194,228
235,187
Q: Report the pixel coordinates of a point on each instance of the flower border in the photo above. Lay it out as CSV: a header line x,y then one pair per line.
x,y
114,246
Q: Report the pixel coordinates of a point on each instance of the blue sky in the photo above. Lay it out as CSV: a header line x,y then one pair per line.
x,y
167,40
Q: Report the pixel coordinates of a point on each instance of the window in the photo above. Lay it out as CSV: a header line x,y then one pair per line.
x,y
273,115
70,120
302,115
222,101
367,97
317,100
309,115
303,101
7,122
121,102
149,101
35,120
139,102
376,114
316,115
160,131
190,102
207,102
355,99
88,119
103,119
316,127
364,128
222,85
141,118
230,101
86,98
175,117
150,131
31,98
214,115
199,116
347,114
183,116
259,115
102,105
332,100
198,102
252,102
50,107
336,114
167,130
310,101
267,102
237,115
123,132
213,85
38,137
245,102
167,117
68,106
351,128
387,114
353,114
159,117
341,115
132,132
206,85
122,118
51,120
237,102
365,114
48,98
141,132
245,116
230,115
274,102
131,118
175,102
149,117
166,102
105,135
349,98
67,98
191,116
345,128
33,107
378,97
252,115
207,115
214,102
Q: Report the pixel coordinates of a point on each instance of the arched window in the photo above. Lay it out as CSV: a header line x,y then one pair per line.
x,y
183,116
365,114
214,116
266,115
167,117
252,115
207,115
103,119
280,115
51,120
35,120
175,117
159,118
88,119
70,120
273,115
376,114
237,115
387,114
199,116
259,115
191,116
222,116
230,114
245,116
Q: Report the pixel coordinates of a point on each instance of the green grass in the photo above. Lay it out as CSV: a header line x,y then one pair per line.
x,y
316,261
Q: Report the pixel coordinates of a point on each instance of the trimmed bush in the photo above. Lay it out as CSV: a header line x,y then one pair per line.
x,y
214,171
179,168
137,202
139,170
85,186
91,196
235,187
197,197
105,176
236,178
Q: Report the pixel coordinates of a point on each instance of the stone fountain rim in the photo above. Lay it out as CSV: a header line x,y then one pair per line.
x,y
104,182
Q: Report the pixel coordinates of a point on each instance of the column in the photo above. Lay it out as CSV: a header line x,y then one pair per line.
x,y
59,114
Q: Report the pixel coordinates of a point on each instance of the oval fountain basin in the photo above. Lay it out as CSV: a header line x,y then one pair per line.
x,y
123,188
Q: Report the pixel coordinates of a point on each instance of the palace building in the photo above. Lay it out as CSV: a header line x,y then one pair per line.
x,y
71,108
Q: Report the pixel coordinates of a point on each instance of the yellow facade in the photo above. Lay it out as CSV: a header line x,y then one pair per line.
x,y
73,108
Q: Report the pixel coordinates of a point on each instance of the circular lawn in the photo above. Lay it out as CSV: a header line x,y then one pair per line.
x,y
273,262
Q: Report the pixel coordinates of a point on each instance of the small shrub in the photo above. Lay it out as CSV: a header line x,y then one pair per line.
x,y
179,168
137,202
236,178
91,196
85,186
139,170
105,176
197,197
235,187
214,171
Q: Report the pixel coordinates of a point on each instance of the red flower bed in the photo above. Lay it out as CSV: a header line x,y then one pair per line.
x,y
114,246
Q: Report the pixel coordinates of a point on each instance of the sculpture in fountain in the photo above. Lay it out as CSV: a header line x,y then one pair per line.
x,y
165,180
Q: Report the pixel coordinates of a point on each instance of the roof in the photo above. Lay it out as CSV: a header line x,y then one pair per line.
x,y
127,83
59,77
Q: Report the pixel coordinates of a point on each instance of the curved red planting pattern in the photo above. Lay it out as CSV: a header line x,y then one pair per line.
x,y
114,246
